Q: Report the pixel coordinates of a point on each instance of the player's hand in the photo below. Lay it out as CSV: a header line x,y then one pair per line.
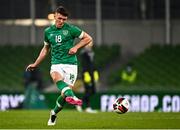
x,y
31,67
73,50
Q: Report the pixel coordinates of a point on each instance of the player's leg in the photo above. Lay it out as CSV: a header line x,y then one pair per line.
x,y
67,92
70,77
58,107
64,76
88,93
59,102
58,76
86,96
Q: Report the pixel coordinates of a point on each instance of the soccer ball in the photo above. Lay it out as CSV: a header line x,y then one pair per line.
x,y
121,105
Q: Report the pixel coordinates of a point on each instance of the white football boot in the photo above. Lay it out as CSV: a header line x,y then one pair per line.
x,y
52,118
79,108
90,110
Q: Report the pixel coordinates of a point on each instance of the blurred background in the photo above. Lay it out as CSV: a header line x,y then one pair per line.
x,y
136,46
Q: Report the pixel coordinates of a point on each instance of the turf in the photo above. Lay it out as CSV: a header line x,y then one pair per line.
x,y
71,119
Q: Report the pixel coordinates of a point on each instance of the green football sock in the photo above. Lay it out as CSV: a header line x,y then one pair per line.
x,y
64,88
61,84
68,93
59,104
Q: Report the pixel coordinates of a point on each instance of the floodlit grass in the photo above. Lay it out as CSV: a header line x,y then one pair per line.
x,y
71,119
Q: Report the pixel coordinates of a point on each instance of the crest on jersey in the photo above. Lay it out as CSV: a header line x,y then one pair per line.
x,y
65,32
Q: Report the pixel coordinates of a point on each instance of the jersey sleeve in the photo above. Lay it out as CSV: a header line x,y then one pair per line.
x,y
76,32
46,41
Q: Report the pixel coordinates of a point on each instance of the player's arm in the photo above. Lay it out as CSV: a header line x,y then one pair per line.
x,y
85,40
40,58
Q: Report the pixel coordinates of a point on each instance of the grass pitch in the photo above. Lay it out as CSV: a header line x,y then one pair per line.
x,y
71,119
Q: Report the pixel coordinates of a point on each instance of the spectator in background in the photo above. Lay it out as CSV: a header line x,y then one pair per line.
x,y
33,87
129,74
90,77
33,77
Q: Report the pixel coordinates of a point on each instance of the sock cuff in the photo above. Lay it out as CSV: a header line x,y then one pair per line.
x,y
64,89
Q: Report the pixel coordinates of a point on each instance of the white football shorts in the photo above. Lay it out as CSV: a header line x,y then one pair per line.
x,y
69,72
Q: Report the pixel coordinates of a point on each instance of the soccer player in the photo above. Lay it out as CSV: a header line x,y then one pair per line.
x,y
59,39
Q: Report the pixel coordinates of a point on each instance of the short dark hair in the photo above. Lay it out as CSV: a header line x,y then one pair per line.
x,y
62,10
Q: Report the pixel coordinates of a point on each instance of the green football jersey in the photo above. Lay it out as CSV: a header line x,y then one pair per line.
x,y
60,41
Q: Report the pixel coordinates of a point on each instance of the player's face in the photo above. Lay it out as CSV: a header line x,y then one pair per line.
x,y
59,20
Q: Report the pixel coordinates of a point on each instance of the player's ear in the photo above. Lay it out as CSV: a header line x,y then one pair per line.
x,y
55,15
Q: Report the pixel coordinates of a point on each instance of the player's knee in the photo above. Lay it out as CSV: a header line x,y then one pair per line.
x,y
56,76
55,79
